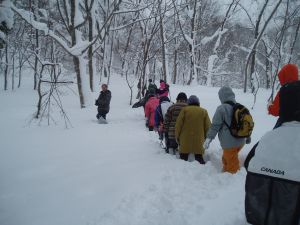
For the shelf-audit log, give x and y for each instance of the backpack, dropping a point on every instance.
(242, 122)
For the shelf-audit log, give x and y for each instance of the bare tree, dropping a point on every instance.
(257, 40)
(70, 14)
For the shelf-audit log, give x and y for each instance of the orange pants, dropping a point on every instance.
(230, 159)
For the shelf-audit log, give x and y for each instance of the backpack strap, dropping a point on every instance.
(232, 104)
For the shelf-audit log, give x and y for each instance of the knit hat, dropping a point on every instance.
(288, 73)
(289, 96)
(181, 97)
(193, 100)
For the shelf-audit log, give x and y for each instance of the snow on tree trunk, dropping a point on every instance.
(210, 68)
(6, 67)
(86, 91)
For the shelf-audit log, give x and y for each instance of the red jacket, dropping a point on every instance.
(150, 108)
(287, 74)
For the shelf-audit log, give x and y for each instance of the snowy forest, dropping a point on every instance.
(60, 165)
(242, 43)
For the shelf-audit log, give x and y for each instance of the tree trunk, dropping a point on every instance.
(20, 70)
(36, 59)
(79, 81)
(110, 57)
(6, 68)
(191, 45)
(294, 42)
(126, 49)
(175, 66)
(90, 53)
(13, 72)
(76, 60)
(163, 47)
(256, 43)
(39, 105)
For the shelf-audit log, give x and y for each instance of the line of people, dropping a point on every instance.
(186, 126)
(273, 180)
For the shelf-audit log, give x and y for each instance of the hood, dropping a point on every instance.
(226, 94)
(162, 85)
(288, 73)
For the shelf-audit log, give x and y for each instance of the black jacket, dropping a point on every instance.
(103, 101)
(272, 182)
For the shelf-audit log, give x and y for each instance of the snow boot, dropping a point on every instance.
(101, 120)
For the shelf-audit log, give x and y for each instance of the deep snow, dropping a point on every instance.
(116, 173)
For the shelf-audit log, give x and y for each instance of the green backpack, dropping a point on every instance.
(241, 122)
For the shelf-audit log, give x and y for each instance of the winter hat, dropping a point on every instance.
(288, 73)
(226, 94)
(181, 97)
(193, 100)
(104, 86)
(289, 96)
(150, 80)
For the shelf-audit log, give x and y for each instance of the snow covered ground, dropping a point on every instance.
(116, 173)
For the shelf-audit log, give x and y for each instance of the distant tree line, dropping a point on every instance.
(205, 42)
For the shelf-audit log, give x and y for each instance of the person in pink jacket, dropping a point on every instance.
(150, 108)
(163, 89)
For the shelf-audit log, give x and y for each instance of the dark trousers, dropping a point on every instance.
(198, 157)
(171, 143)
(101, 114)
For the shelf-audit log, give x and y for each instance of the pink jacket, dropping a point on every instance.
(150, 107)
(163, 91)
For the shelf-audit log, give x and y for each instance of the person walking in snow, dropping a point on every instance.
(150, 108)
(163, 89)
(103, 102)
(160, 112)
(152, 88)
(170, 121)
(288, 73)
(221, 119)
(191, 127)
(273, 180)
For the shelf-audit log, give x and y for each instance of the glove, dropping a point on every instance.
(248, 140)
(206, 143)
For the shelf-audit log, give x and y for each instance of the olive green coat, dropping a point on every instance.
(192, 125)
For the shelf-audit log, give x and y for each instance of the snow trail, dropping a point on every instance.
(115, 173)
